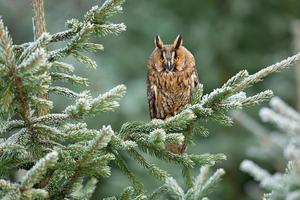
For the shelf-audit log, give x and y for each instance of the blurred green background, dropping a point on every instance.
(225, 37)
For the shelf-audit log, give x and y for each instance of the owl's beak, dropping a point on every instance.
(169, 66)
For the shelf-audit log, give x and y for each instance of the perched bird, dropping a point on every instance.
(171, 78)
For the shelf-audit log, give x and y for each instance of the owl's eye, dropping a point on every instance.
(161, 59)
(176, 59)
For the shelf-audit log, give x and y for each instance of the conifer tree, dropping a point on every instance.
(63, 158)
(283, 144)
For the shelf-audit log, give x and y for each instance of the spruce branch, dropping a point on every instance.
(35, 194)
(103, 103)
(174, 138)
(6, 186)
(109, 29)
(295, 28)
(213, 105)
(85, 154)
(258, 98)
(12, 195)
(285, 124)
(199, 189)
(281, 107)
(257, 172)
(261, 175)
(279, 185)
(24, 189)
(65, 92)
(236, 79)
(97, 16)
(7, 126)
(202, 177)
(174, 188)
(62, 67)
(293, 195)
(277, 67)
(79, 32)
(55, 117)
(32, 62)
(127, 194)
(39, 17)
(64, 35)
(99, 142)
(32, 59)
(124, 168)
(269, 145)
(78, 132)
(154, 170)
(41, 42)
(197, 94)
(223, 97)
(175, 124)
(209, 100)
(38, 170)
(84, 191)
(63, 52)
(211, 182)
(109, 8)
(6, 45)
(40, 28)
(188, 176)
(158, 192)
(57, 76)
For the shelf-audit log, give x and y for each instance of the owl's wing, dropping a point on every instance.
(190, 64)
(151, 99)
(195, 77)
(194, 82)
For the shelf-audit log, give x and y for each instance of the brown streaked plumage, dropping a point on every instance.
(172, 76)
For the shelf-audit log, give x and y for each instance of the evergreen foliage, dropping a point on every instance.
(280, 185)
(64, 159)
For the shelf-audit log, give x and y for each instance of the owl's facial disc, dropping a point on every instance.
(168, 58)
(169, 67)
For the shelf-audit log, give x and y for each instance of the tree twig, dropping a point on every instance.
(39, 18)
(277, 67)
(39, 29)
(17, 80)
(66, 188)
(296, 44)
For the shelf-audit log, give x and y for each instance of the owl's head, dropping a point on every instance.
(170, 57)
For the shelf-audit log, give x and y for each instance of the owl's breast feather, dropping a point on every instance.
(173, 81)
(171, 91)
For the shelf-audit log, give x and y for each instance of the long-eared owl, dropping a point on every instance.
(172, 76)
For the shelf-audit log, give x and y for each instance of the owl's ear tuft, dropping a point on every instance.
(178, 42)
(158, 42)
